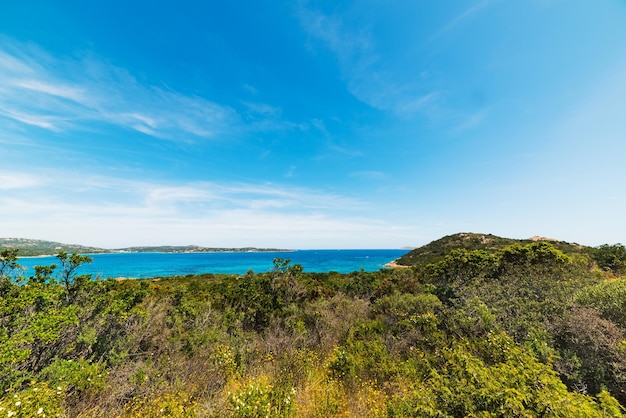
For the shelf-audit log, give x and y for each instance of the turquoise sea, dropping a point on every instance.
(143, 265)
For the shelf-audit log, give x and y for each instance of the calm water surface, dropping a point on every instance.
(143, 265)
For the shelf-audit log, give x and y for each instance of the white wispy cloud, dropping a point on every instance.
(472, 121)
(369, 175)
(13, 181)
(418, 103)
(331, 142)
(159, 194)
(250, 89)
(251, 195)
(113, 227)
(49, 122)
(69, 187)
(61, 93)
(39, 86)
(79, 209)
(463, 16)
(369, 76)
(262, 108)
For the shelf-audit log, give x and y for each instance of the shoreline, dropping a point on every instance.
(162, 252)
(394, 265)
(149, 265)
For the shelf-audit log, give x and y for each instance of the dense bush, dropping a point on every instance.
(522, 331)
(610, 257)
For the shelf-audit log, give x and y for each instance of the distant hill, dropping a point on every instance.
(436, 250)
(36, 247)
(194, 249)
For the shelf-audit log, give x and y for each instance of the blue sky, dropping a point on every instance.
(312, 124)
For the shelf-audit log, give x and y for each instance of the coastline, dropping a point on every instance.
(208, 251)
(394, 265)
(148, 265)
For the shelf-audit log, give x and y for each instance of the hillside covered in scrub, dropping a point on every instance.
(518, 329)
(37, 247)
(436, 250)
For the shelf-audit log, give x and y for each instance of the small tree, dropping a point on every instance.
(69, 264)
(8, 262)
(43, 274)
(9, 268)
(285, 281)
(610, 257)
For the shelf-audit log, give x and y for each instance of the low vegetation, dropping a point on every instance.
(524, 329)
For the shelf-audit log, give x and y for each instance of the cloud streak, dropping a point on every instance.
(14, 181)
(465, 15)
(57, 187)
(60, 94)
(370, 76)
(146, 212)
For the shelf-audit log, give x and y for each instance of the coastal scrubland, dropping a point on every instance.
(475, 326)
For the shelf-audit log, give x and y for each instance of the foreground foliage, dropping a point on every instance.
(522, 331)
